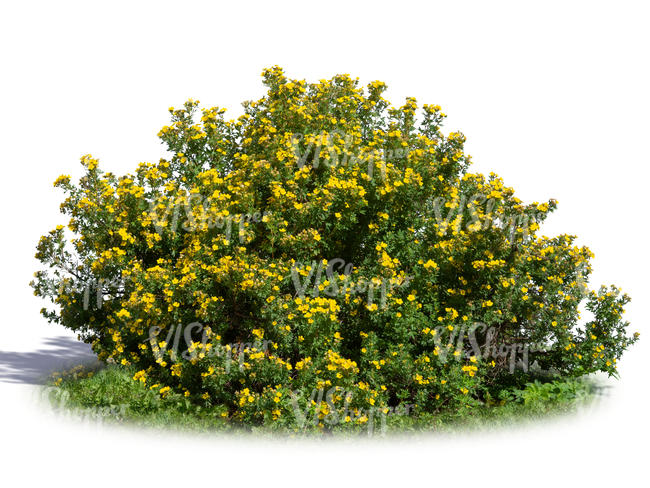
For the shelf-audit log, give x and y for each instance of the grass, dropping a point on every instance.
(109, 394)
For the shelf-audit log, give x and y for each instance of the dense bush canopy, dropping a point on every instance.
(324, 241)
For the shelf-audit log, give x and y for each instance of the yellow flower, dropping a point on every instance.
(430, 264)
(140, 376)
(61, 180)
(123, 314)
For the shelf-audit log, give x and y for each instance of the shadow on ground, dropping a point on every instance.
(56, 354)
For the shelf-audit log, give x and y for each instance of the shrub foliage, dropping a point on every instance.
(323, 241)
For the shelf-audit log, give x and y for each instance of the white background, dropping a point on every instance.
(552, 96)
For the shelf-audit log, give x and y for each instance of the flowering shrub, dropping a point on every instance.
(325, 255)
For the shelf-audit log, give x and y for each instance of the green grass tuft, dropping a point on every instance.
(109, 394)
